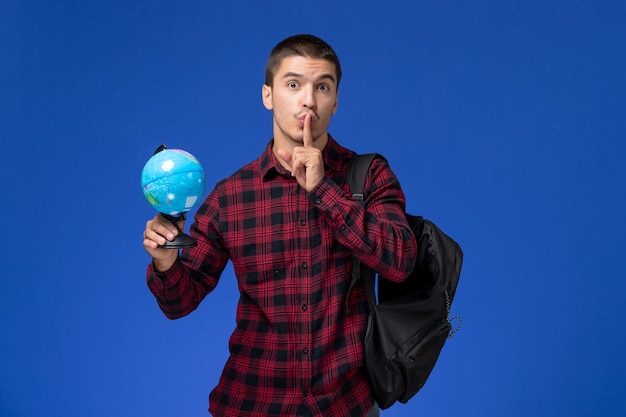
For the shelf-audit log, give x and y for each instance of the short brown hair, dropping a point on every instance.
(300, 45)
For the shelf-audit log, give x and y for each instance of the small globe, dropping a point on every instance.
(173, 181)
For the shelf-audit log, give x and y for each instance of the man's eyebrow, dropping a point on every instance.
(325, 76)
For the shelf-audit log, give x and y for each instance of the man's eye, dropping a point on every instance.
(323, 87)
(292, 84)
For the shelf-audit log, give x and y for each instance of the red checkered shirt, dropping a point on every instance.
(296, 349)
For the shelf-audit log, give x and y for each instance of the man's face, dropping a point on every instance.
(302, 86)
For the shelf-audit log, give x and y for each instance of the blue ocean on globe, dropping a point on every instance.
(173, 181)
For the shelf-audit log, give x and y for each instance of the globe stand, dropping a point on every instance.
(182, 240)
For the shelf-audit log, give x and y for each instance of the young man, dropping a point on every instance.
(289, 226)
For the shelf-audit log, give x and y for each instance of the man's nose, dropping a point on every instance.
(309, 97)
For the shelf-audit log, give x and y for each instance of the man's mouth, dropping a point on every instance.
(303, 116)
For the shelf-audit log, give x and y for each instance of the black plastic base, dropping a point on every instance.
(181, 241)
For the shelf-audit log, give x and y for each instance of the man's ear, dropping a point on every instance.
(336, 103)
(266, 92)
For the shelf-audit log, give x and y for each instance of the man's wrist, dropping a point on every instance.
(161, 266)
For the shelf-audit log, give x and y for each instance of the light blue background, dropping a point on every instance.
(504, 119)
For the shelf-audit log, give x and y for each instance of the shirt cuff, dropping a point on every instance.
(326, 194)
(165, 279)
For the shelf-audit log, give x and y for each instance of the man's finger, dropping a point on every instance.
(307, 137)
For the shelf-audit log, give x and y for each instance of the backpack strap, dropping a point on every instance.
(356, 174)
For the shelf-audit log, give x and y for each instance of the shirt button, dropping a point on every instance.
(302, 222)
(343, 227)
(304, 307)
(305, 351)
(304, 265)
(318, 201)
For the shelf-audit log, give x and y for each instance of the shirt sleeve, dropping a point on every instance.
(377, 232)
(197, 270)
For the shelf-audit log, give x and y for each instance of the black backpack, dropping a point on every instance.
(409, 326)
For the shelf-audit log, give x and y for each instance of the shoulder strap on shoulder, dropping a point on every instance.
(358, 167)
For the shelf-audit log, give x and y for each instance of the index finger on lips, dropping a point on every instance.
(307, 137)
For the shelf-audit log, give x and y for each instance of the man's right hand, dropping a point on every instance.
(158, 231)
